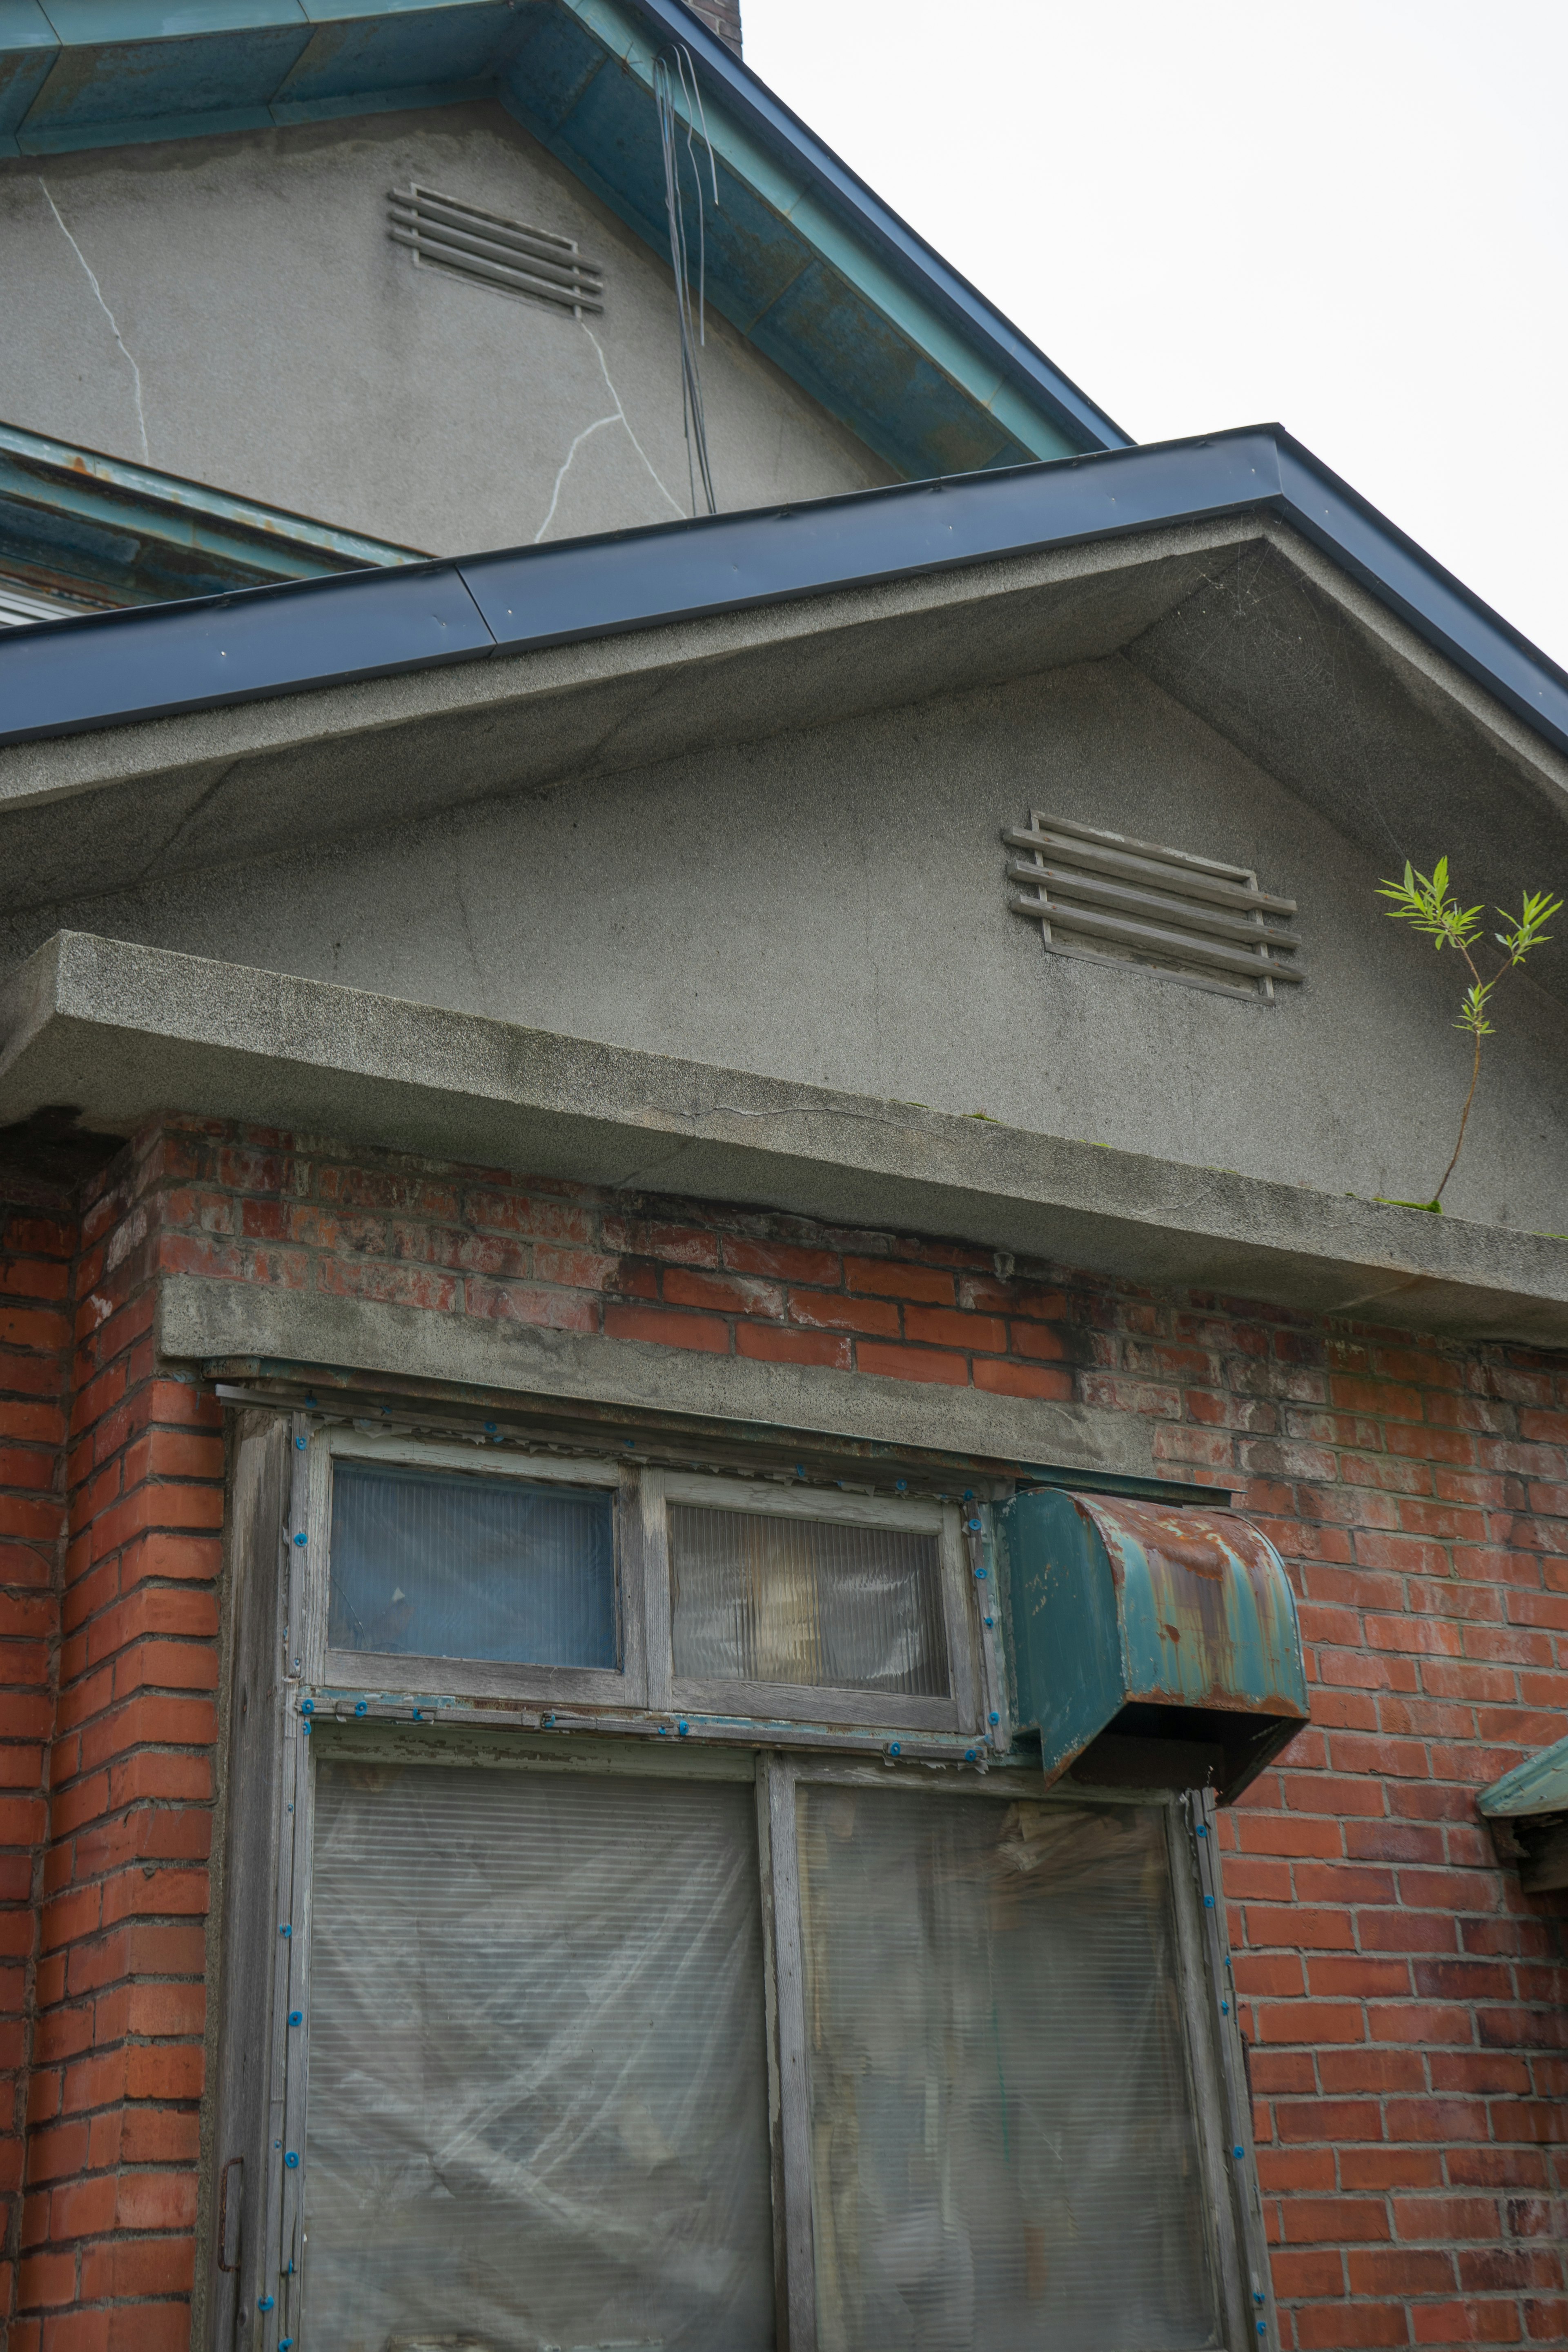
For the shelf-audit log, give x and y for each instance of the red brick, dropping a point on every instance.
(767, 1345)
(1312, 2021)
(45, 2278)
(996, 1377)
(1299, 1928)
(942, 1327)
(1446, 2220)
(157, 2200)
(664, 1328)
(827, 1311)
(723, 1293)
(1295, 2171)
(1465, 2322)
(896, 1279)
(1383, 2168)
(911, 1364)
(1314, 2121)
(1334, 2220)
(783, 1261)
(1399, 2269)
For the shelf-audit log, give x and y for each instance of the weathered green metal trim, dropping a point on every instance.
(1539, 1785)
(1150, 1623)
(129, 534)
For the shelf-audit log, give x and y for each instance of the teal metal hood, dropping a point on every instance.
(1527, 1813)
(1153, 1644)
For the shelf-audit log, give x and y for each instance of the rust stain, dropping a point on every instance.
(1212, 1588)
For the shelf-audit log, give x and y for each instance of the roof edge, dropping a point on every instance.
(747, 95)
(121, 668)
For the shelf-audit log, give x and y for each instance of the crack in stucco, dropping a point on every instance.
(587, 434)
(98, 297)
(616, 416)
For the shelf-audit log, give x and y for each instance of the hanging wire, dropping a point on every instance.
(674, 79)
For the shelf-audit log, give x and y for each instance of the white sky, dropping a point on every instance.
(1349, 215)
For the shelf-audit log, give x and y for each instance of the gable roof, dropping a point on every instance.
(118, 668)
(802, 257)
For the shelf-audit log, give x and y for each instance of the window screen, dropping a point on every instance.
(537, 2110)
(818, 1603)
(1002, 2143)
(452, 1567)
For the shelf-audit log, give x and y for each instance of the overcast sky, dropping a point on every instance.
(1349, 215)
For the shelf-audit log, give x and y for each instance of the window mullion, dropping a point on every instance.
(655, 1589)
(796, 2277)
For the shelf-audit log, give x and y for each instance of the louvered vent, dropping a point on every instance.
(1114, 900)
(444, 235)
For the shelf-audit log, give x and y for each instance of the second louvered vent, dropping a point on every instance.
(503, 254)
(1107, 897)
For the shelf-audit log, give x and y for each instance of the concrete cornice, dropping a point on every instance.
(123, 1033)
(243, 1327)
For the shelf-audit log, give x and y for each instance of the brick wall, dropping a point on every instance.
(1404, 2001)
(108, 2213)
(720, 16)
(37, 1247)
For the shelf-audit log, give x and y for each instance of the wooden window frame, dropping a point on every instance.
(624, 1684)
(262, 2107)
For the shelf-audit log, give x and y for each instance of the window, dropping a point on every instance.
(455, 1573)
(749, 2001)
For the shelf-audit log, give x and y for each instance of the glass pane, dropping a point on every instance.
(1004, 2151)
(816, 1601)
(538, 2101)
(426, 1566)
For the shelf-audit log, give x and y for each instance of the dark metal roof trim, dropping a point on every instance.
(114, 670)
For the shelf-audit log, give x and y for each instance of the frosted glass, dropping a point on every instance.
(1004, 2152)
(428, 1566)
(538, 2088)
(814, 1601)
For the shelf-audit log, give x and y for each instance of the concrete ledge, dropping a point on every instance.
(211, 1321)
(123, 1033)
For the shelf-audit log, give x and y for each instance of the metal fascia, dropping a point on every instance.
(70, 480)
(113, 669)
(59, 679)
(1436, 605)
(683, 571)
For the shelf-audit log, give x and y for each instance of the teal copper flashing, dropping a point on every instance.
(98, 529)
(1151, 1643)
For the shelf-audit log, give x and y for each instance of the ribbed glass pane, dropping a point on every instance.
(816, 1601)
(1004, 2151)
(538, 2099)
(427, 1566)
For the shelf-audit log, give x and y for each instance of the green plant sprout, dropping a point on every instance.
(1423, 899)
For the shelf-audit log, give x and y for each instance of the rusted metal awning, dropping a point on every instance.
(1527, 1813)
(1154, 1644)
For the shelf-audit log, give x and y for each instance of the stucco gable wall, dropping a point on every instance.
(286, 350)
(829, 908)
